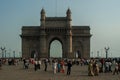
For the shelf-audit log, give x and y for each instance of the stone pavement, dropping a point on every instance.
(78, 73)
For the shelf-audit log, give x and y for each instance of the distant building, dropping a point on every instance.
(36, 40)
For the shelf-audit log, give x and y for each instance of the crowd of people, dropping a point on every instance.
(58, 65)
(95, 66)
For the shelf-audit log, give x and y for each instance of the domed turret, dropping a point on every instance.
(42, 11)
(42, 14)
(42, 17)
(68, 13)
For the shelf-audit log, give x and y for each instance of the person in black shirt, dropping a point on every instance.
(45, 62)
(69, 65)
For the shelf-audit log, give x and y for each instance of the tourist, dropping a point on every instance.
(110, 65)
(16, 62)
(54, 66)
(45, 62)
(26, 63)
(90, 68)
(58, 66)
(102, 65)
(35, 65)
(0, 64)
(106, 66)
(119, 67)
(62, 66)
(81, 62)
(96, 69)
(39, 63)
(116, 69)
(69, 65)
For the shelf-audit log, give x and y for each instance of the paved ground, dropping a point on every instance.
(78, 73)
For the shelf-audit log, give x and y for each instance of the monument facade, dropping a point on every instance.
(36, 40)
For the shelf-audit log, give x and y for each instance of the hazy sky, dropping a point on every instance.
(103, 17)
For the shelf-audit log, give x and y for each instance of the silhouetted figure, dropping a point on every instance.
(0, 64)
(69, 65)
(45, 62)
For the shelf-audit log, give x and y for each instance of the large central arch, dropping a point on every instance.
(60, 39)
(57, 47)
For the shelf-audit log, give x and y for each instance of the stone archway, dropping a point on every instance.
(56, 28)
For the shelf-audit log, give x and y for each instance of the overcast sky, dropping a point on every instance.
(103, 17)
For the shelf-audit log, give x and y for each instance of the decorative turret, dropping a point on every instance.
(42, 35)
(42, 14)
(42, 17)
(68, 13)
(68, 17)
(69, 34)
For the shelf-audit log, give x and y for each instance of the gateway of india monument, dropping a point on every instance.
(36, 40)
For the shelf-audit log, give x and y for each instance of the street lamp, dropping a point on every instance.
(91, 54)
(2, 48)
(5, 53)
(20, 54)
(9, 53)
(14, 54)
(106, 50)
(98, 54)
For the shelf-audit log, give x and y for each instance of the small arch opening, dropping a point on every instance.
(78, 54)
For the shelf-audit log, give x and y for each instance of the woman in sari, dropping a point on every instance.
(90, 69)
